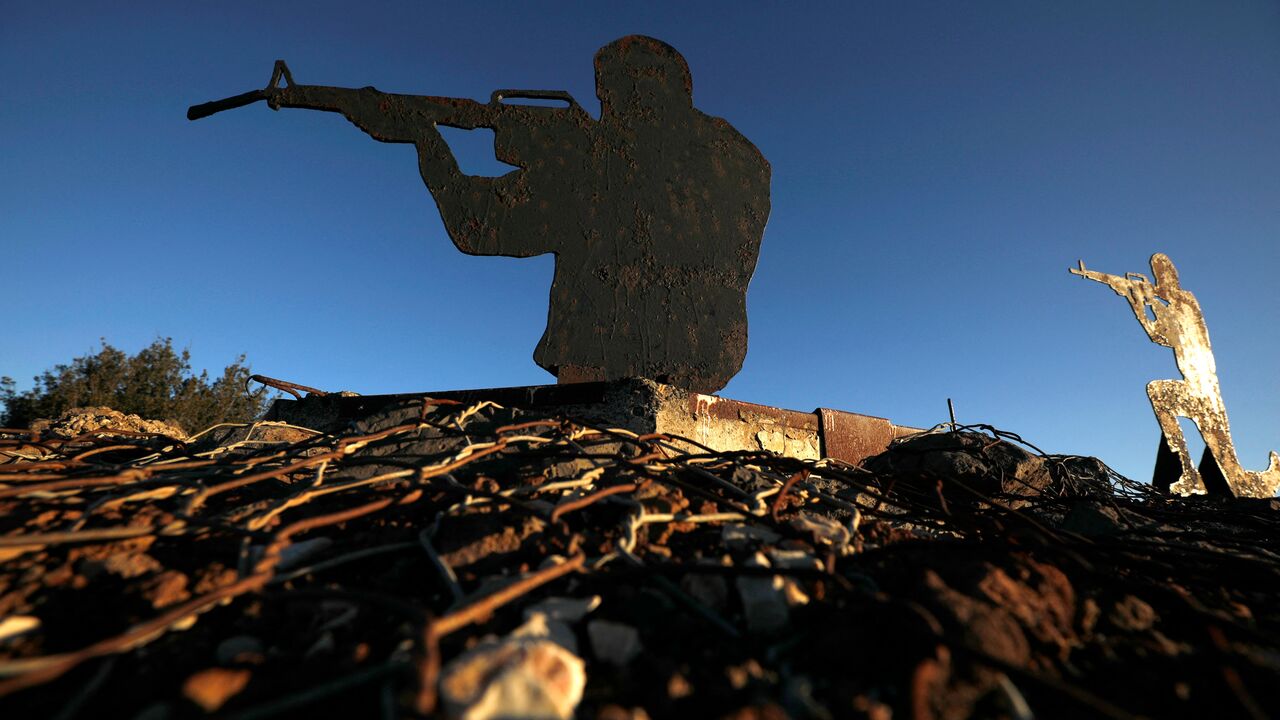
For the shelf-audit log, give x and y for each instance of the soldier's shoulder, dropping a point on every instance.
(732, 138)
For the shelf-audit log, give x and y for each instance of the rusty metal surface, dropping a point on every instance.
(655, 211)
(738, 410)
(852, 437)
(1171, 316)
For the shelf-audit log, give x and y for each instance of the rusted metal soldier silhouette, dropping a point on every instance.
(655, 211)
(1172, 318)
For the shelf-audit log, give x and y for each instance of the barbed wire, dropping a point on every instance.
(604, 500)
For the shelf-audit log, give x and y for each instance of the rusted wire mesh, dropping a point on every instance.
(347, 569)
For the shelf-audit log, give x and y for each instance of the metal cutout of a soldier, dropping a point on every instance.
(655, 211)
(1172, 318)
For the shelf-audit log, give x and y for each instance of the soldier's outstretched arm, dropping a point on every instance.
(475, 214)
(1136, 289)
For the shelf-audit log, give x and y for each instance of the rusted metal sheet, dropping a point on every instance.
(725, 424)
(655, 211)
(852, 437)
(1171, 316)
(738, 410)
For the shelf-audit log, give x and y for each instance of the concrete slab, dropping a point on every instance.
(643, 406)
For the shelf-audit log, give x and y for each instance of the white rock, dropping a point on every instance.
(764, 599)
(614, 642)
(794, 560)
(793, 593)
(824, 529)
(17, 625)
(516, 677)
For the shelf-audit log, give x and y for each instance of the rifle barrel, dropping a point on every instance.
(195, 112)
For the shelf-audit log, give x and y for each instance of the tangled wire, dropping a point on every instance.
(442, 516)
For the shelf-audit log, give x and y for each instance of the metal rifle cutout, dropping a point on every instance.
(655, 211)
(1172, 318)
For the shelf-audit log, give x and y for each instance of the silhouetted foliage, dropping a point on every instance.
(157, 383)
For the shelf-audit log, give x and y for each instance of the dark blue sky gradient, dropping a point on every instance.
(936, 169)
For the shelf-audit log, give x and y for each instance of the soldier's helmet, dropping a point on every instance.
(1162, 267)
(637, 73)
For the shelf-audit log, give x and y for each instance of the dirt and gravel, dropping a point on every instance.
(447, 560)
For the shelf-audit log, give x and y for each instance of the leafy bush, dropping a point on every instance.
(157, 383)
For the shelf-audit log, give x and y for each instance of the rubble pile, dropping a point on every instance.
(473, 561)
(82, 420)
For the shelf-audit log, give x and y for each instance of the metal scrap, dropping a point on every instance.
(853, 591)
(1171, 316)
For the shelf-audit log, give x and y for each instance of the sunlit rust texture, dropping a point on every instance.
(1172, 318)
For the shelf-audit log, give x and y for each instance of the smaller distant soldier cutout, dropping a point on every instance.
(1172, 318)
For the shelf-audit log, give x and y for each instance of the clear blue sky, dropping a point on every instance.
(936, 169)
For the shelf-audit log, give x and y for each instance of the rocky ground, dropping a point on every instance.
(474, 561)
